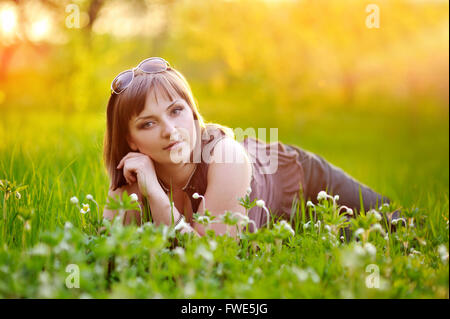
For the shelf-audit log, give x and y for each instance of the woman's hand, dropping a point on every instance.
(138, 167)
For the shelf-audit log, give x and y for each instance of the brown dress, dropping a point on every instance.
(298, 171)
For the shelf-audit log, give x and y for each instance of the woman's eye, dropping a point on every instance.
(177, 110)
(147, 124)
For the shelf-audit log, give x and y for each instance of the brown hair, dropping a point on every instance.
(121, 108)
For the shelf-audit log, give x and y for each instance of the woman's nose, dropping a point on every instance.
(168, 129)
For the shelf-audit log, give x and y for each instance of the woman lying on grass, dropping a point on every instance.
(158, 146)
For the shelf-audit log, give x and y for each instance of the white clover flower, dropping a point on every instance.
(180, 252)
(68, 225)
(195, 196)
(89, 197)
(322, 195)
(359, 231)
(349, 211)
(395, 221)
(204, 219)
(377, 227)
(309, 204)
(85, 208)
(375, 213)
(202, 251)
(134, 197)
(74, 200)
(213, 245)
(359, 250)
(443, 252)
(182, 225)
(260, 203)
(370, 249)
(284, 225)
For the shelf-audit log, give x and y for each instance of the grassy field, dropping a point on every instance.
(371, 99)
(399, 154)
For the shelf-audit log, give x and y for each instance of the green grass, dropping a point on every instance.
(398, 153)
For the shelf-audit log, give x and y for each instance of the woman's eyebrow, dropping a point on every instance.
(148, 116)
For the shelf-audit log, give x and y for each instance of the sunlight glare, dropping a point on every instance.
(8, 20)
(39, 29)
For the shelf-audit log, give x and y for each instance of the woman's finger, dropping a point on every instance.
(129, 155)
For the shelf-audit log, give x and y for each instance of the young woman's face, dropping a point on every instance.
(160, 124)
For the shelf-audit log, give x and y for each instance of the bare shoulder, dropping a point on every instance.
(228, 150)
(230, 160)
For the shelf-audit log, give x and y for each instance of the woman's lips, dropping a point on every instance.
(170, 146)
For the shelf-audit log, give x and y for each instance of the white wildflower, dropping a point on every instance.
(195, 196)
(349, 211)
(89, 197)
(359, 231)
(342, 238)
(203, 219)
(370, 249)
(336, 198)
(309, 204)
(375, 213)
(74, 200)
(182, 225)
(213, 245)
(317, 224)
(395, 221)
(322, 195)
(284, 224)
(134, 197)
(359, 250)
(260, 203)
(205, 253)
(85, 208)
(68, 225)
(306, 226)
(442, 249)
(249, 190)
(179, 251)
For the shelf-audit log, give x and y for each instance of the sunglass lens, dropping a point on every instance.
(153, 65)
(122, 81)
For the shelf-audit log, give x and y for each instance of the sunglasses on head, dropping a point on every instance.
(150, 65)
